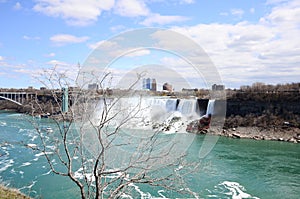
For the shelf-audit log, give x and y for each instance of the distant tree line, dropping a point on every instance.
(262, 87)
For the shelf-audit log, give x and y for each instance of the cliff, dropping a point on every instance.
(263, 110)
(267, 116)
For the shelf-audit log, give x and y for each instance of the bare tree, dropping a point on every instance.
(94, 145)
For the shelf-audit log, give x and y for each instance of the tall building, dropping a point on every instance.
(153, 85)
(149, 84)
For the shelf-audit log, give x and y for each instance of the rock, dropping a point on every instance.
(236, 135)
(224, 132)
(293, 140)
(280, 139)
(297, 137)
(256, 137)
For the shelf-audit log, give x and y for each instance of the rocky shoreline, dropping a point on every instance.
(289, 134)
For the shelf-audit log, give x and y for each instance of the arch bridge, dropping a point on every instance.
(17, 97)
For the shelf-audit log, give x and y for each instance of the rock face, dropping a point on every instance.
(259, 116)
(257, 103)
(199, 126)
(264, 110)
(245, 107)
(288, 135)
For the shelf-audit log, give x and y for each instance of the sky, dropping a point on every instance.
(247, 41)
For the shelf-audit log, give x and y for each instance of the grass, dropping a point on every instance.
(9, 193)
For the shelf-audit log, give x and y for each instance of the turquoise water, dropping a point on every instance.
(233, 169)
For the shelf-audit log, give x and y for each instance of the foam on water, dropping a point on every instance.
(80, 175)
(29, 187)
(142, 194)
(25, 164)
(47, 173)
(3, 123)
(230, 189)
(42, 153)
(5, 164)
(21, 173)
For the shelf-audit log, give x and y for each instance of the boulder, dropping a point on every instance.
(236, 135)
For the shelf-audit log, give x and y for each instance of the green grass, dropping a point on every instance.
(9, 193)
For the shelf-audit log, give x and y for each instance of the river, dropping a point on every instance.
(235, 168)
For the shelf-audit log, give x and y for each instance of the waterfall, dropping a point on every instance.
(171, 105)
(188, 107)
(159, 111)
(210, 107)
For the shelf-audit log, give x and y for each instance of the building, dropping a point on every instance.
(189, 89)
(216, 87)
(93, 86)
(167, 87)
(153, 85)
(149, 84)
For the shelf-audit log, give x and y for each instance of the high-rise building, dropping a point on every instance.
(153, 85)
(149, 84)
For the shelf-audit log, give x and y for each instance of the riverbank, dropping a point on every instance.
(289, 134)
(9, 193)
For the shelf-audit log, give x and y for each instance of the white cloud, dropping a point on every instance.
(63, 39)
(117, 28)
(237, 12)
(224, 14)
(18, 6)
(1, 58)
(24, 71)
(83, 13)
(287, 15)
(162, 19)
(31, 38)
(74, 12)
(272, 2)
(132, 8)
(138, 52)
(252, 10)
(187, 1)
(247, 52)
(56, 62)
(104, 45)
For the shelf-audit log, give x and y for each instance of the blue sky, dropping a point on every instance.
(248, 41)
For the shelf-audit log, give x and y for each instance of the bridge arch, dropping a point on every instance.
(11, 100)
